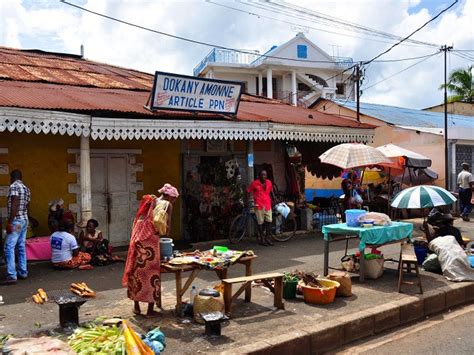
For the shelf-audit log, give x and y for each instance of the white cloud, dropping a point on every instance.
(55, 26)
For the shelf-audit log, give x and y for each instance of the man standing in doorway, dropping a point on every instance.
(261, 189)
(17, 204)
(466, 185)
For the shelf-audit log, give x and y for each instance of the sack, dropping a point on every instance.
(373, 268)
(160, 217)
(344, 279)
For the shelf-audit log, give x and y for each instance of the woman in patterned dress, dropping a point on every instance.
(142, 269)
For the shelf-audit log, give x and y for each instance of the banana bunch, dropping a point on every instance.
(81, 289)
(41, 297)
(99, 340)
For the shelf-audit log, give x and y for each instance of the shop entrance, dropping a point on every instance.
(111, 196)
(212, 193)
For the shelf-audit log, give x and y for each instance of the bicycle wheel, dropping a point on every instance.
(287, 229)
(238, 228)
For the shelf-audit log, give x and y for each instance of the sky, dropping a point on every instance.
(53, 26)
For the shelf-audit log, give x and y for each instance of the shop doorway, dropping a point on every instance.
(111, 196)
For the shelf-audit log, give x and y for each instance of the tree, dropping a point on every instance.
(461, 85)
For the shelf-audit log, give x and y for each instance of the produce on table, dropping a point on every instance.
(40, 297)
(81, 289)
(98, 339)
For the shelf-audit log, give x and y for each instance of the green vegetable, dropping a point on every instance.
(289, 277)
(97, 339)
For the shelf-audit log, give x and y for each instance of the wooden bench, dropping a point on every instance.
(407, 262)
(277, 289)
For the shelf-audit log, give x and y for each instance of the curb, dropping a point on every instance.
(320, 337)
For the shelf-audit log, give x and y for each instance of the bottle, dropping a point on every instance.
(192, 294)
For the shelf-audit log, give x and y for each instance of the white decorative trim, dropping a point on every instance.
(119, 128)
(4, 169)
(4, 191)
(3, 150)
(106, 151)
(43, 121)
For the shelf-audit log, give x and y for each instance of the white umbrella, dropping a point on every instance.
(353, 155)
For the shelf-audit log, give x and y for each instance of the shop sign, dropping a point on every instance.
(188, 93)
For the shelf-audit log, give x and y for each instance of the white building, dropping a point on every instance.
(298, 72)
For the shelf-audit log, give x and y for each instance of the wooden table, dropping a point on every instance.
(340, 232)
(195, 269)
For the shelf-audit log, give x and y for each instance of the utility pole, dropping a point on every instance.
(358, 90)
(446, 49)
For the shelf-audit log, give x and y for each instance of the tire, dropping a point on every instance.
(237, 229)
(288, 229)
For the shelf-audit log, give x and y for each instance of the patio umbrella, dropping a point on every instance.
(423, 197)
(410, 158)
(353, 155)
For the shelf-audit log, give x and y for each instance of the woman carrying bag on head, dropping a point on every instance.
(142, 269)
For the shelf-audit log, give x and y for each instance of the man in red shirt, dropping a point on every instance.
(261, 189)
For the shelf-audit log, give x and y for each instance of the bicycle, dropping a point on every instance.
(245, 224)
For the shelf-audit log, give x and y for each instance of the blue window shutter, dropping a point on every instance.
(302, 51)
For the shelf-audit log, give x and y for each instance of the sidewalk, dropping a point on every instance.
(375, 306)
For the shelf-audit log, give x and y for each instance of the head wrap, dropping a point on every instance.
(169, 190)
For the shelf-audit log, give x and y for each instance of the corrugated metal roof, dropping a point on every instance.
(75, 98)
(400, 116)
(61, 82)
(40, 66)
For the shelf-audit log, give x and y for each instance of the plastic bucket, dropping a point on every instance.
(324, 295)
(166, 248)
(289, 289)
(421, 252)
(352, 217)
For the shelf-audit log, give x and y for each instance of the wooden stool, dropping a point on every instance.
(247, 283)
(407, 262)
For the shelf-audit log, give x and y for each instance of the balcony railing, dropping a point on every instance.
(231, 57)
(226, 56)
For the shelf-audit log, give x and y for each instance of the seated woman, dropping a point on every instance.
(91, 238)
(64, 248)
(444, 227)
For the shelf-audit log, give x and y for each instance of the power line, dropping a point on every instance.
(301, 12)
(411, 34)
(399, 72)
(258, 15)
(459, 55)
(207, 44)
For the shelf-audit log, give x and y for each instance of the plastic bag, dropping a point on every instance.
(283, 209)
(134, 345)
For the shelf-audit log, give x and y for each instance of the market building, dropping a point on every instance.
(79, 130)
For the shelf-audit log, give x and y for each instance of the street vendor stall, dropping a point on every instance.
(373, 237)
(197, 261)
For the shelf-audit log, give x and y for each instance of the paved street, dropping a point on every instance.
(449, 333)
(251, 322)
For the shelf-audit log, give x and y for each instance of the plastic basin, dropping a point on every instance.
(352, 217)
(324, 295)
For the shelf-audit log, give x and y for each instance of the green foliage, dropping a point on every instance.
(460, 85)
